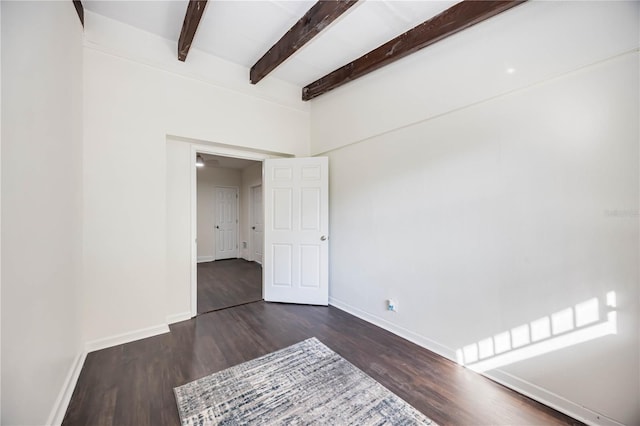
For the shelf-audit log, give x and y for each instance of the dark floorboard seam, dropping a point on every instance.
(229, 307)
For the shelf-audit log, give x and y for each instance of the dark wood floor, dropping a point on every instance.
(226, 283)
(132, 384)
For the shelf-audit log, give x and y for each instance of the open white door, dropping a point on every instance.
(296, 228)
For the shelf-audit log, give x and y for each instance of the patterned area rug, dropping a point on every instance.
(304, 384)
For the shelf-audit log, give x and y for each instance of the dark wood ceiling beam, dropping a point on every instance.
(195, 9)
(455, 19)
(320, 16)
(80, 10)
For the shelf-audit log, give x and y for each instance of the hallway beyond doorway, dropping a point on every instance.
(226, 283)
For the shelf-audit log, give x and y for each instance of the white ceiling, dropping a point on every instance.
(241, 31)
(226, 162)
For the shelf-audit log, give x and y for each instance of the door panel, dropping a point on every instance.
(282, 209)
(310, 209)
(310, 266)
(282, 263)
(297, 225)
(226, 208)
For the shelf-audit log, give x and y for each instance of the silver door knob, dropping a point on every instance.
(323, 238)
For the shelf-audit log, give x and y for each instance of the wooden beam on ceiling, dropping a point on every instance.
(457, 18)
(80, 10)
(195, 9)
(320, 16)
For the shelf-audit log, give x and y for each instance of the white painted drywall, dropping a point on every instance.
(473, 65)
(0, 211)
(130, 107)
(178, 227)
(506, 201)
(41, 205)
(116, 38)
(251, 176)
(207, 179)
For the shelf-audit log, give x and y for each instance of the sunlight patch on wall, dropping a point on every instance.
(582, 322)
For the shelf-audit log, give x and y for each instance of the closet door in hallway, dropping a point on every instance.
(226, 232)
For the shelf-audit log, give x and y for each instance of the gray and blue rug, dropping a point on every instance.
(304, 384)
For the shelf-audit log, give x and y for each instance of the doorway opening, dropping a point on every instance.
(228, 221)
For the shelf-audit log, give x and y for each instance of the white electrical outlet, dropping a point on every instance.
(392, 305)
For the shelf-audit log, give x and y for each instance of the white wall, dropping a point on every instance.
(208, 178)
(437, 79)
(251, 176)
(41, 205)
(130, 108)
(178, 229)
(483, 200)
(0, 210)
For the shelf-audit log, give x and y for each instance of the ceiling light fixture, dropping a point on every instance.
(199, 161)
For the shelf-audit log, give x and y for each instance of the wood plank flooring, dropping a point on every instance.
(226, 283)
(132, 384)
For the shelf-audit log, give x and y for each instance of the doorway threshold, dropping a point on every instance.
(229, 307)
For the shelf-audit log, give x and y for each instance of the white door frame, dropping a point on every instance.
(213, 150)
(252, 220)
(215, 219)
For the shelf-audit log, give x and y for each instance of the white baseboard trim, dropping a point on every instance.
(64, 397)
(130, 336)
(534, 392)
(206, 259)
(550, 399)
(397, 330)
(182, 316)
